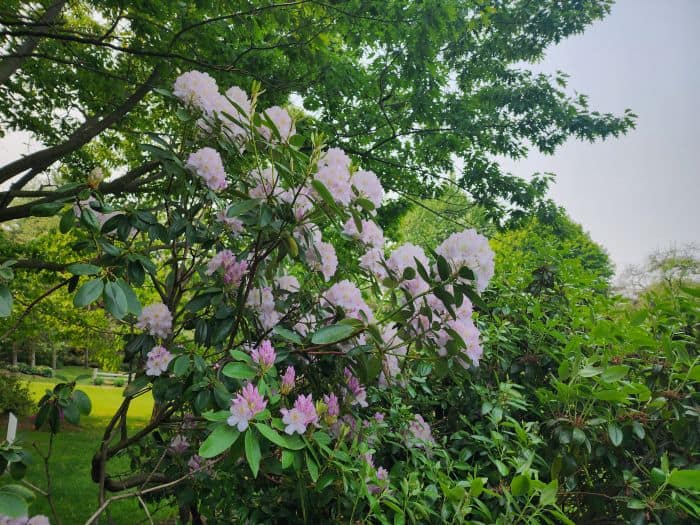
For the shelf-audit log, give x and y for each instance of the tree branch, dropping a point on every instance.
(39, 161)
(127, 182)
(10, 65)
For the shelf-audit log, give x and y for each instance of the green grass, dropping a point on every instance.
(75, 495)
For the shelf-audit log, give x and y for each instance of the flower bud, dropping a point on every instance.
(95, 177)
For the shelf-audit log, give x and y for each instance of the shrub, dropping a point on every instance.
(14, 395)
(98, 381)
(119, 382)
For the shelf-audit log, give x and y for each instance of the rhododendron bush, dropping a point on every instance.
(283, 380)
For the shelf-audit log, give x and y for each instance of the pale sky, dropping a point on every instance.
(640, 192)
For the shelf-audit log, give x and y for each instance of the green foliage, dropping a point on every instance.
(14, 396)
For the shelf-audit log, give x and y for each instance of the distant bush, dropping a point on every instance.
(98, 381)
(14, 396)
(24, 368)
(119, 383)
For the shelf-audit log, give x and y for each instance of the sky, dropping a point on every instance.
(634, 194)
(641, 192)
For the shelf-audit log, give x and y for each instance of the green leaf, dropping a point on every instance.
(324, 193)
(578, 436)
(5, 301)
(181, 366)
(611, 395)
(11, 504)
(46, 209)
(252, 452)
(685, 479)
(287, 459)
(289, 442)
(548, 496)
(241, 207)
(82, 401)
(444, 269)
(286, 333)
(615, 434)
(71, 413)
(520, 485)
(614, 373)
(88, 293)
(332, 334)
(238, 371)
(312, 468)
(132, 302)
(89, 219)
(115, 300)
(220, 440)
(221, 415)
(83, 269)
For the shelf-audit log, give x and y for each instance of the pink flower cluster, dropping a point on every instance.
(355, 389)
(157, 319)
(420, 431)
(233, 269)
(322, 257)
(179, 444)
(303, 414)
(157, 361)
(264, 355)
(247, 404)
(347, 296)
(234, 224)
(288, 380)
(206, 163)
(332, 408)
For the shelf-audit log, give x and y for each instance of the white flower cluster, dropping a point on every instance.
(157, 319)
(471, 249)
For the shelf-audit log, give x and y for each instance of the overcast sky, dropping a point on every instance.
(640, 192)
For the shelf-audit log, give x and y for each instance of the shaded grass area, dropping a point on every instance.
(75, 494)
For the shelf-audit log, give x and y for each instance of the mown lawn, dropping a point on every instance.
(75, 494)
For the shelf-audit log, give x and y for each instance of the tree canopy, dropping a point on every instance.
(413, 89)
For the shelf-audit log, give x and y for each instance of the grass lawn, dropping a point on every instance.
(74, 492)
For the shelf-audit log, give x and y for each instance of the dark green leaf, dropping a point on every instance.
(88, 293)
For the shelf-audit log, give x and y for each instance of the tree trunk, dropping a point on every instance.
(87, 358)
(54, 358)
(32, 357)
(14, 354)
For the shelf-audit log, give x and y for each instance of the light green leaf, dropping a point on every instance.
(252, 452)
(332, 334)
(220, 440)
(238, 371)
